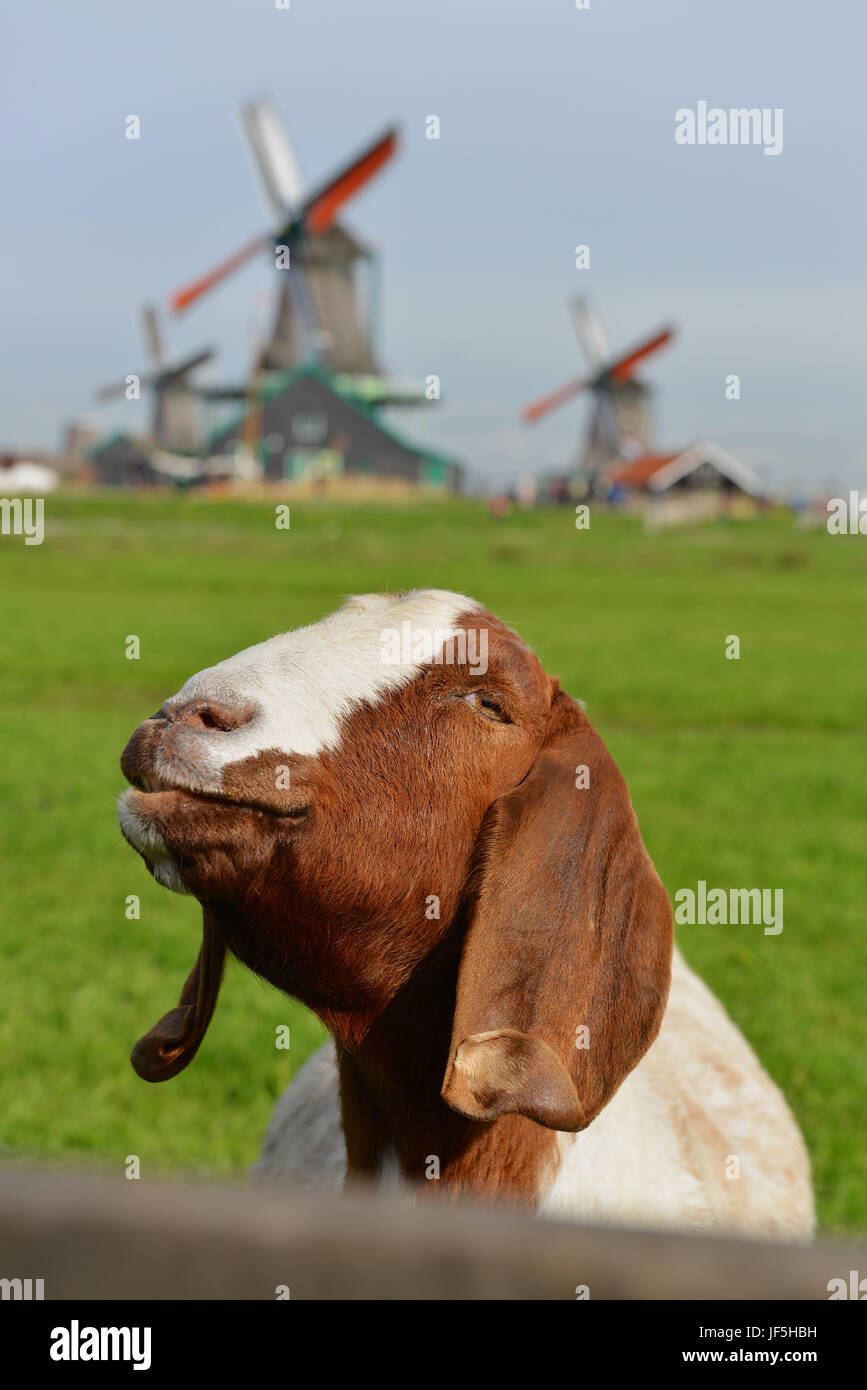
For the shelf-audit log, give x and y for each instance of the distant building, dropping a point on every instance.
(120, 461)
(702, 467)
(79, 437)
(312, 425)
(26, 477)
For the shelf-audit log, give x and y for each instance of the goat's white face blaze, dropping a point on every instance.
(296, 690)
(307, 682)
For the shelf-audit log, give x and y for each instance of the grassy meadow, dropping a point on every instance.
(743, 773)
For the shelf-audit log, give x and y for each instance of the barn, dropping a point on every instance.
(700, 468)
(120, 461)
(313, 425)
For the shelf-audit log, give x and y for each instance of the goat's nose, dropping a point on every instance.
(207, 714)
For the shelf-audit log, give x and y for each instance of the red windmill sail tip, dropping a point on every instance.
(189, 293)
(536, 409)
(321, 210)
(316, 216)
(622, 369)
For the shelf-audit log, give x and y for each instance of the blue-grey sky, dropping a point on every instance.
(557, 128)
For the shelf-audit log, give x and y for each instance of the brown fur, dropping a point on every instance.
(456, 1032)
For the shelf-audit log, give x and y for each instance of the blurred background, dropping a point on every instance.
(376, 387)
(556, 130)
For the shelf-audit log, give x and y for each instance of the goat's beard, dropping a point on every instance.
(197, 845)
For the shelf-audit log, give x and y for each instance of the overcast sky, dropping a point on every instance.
(557, 128)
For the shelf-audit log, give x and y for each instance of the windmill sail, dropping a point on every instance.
(589, 332)
(273, 157)
(320, 312)
(153, 338)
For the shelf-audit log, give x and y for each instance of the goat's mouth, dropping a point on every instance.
(156, 817)
(155, 795)
(181, 833)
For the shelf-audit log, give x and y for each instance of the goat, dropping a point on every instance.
(395, 816)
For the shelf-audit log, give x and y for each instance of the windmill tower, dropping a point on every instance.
(319, 315)
(620, 423)
(175, 420)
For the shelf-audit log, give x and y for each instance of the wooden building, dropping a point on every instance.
(702, 467)
(311, 425)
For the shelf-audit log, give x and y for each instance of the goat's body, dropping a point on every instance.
(698, 1137)
(304, 1141)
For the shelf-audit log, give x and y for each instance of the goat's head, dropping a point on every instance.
(343, 798)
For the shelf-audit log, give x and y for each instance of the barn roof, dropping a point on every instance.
(638, 472)
(656, 472)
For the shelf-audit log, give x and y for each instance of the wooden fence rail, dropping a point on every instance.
(101, 1238)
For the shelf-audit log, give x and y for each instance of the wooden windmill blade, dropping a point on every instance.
(176, 374)
(589, 332)
(272, 157)
(315, 216)
(188, 294)
(152, 337)
(544, 404)
(112, 390)
(321, 207)
(623, 368)
(154, 351)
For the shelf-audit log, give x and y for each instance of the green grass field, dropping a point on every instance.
(743, 773)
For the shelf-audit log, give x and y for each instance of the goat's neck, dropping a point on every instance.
(394, 1115)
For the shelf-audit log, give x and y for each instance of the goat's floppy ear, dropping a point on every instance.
(173, 1042)
(567, 959)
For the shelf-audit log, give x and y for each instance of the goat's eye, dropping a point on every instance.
(487, 705)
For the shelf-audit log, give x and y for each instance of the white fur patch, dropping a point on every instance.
(305, 683)
(661, 1152)
(144, 836)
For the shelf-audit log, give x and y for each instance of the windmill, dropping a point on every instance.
(620, 426)
(175, 418)
(318, 312)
